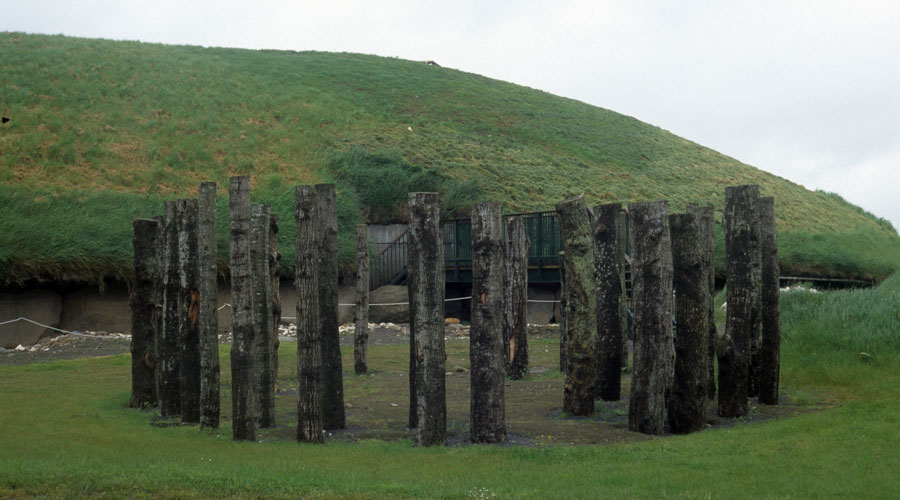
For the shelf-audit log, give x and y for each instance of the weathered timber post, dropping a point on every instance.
(426, 309)
(309, 342)
(651, 272)
(708, 243)
(487, 414)
(581, 307)
(264, 350)
(563, 353)
(145, 313)
(515, 295)
(608, 296)
(160, 319)
(275, 278)
(734, 349)
(208, 319)
(189, 313)
(687, 412)
(361, 334)
(770, 349)
(756, 314)
(168, 346)
(243, 362)
(413, 415)
(332, 370)
(621, 237)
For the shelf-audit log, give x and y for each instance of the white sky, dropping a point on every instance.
(807, 90)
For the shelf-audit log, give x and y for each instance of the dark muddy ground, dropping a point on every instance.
(377, 403)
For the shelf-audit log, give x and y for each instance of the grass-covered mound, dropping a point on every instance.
(102, 131)
(66, 432)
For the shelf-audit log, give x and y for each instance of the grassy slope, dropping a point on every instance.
(150, 121)
(65, 433)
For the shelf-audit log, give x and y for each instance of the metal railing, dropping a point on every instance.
(390, 259)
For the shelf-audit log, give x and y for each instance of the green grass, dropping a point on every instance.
(65, 433)
(149, 122)
(844, 339)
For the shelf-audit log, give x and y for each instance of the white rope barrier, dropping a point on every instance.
(371, 305)
(99, 336)
(406, 303)
(93, 336)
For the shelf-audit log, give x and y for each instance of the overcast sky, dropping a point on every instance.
(807, 90)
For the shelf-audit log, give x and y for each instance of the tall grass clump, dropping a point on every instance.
(843, 338)
(382, 181)
(76, 236)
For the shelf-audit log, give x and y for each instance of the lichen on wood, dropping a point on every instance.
(581, 306)
(332, 370)
(515, 290)
(426, 285)
(309, 354)
(651, 268)
(487, 399)
(243, 361)
(608, 295)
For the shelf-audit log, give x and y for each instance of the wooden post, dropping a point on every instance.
(145, 313)
(734, 349)
(426, 284)
(621, 237)
(309, 352)
(515, 286)
(687, 412)
(487, 415)
(208, 320)
(264, 350)
(563, 353)
(169, 347)
(756, 311)
(708, 243)
(413, 415)
(275, 279)
(770, 349)
(361, 334)
(651, 271)
(189, 310)
(243, 362)
(608, 296)
(332, 370)
(581, 307)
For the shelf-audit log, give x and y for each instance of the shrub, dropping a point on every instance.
(382, 181)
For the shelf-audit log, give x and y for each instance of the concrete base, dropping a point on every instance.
(543, 312)
(43, 306)
(86, 309)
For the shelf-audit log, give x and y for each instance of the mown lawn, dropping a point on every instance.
(65, 433)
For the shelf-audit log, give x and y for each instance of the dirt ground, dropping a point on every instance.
(94, 344)
(377, 403)
(68, 347)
